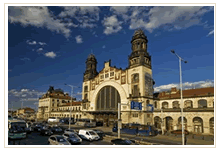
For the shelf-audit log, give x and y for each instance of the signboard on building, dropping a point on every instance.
(136, 105)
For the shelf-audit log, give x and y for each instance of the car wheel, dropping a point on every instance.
(90, 140)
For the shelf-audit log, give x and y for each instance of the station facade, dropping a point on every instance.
(102, 91)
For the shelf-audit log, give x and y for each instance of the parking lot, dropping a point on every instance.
(35, 138)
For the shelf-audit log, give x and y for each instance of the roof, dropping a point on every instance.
(209, 91)
(73, 104)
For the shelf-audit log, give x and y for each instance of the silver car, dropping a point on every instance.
(69, 131)
(72, 138)
(57, 140)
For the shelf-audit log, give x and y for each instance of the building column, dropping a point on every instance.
(206, 126)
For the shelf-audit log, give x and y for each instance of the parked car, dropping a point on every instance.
(46, 132)
(57, 140)
(70, 131)
(89, 135)
(100, 133)
(73, 138)
(56, 129)
(122, 142)
(38, 128)
(53, 119)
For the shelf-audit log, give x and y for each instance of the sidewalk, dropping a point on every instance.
(164, 139)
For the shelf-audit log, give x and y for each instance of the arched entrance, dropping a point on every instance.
(157, 122)
(169, 123)
(107, 101)
(179, 125)
(198, 125)
(211, 125)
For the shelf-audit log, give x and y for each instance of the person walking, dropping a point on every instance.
(136, 131)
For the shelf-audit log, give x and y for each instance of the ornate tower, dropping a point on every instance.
(90, 72)
(139, 55)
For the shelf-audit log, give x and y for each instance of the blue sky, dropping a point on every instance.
(49, 45)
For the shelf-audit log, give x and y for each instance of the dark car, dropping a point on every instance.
(72, 138)
(56, 129)
(38, 128)
(100, 133)
(46, 132)
(122, 142)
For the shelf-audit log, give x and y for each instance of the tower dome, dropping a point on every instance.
(139, 34)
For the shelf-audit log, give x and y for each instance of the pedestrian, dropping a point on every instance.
(185, 140)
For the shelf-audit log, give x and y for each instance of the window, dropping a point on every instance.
(165, 105)
(176, 104)
(135, 78)
(107, 98)
(111, 73)
(102, 76)
(135, 90)
(135, 115)
(188, 104)
(202, 103)
(85, 96)
(85, 88)
(155, 104)
(106, 75)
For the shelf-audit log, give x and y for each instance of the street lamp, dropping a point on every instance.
(119, 119)
(71, 100)
(181, 93)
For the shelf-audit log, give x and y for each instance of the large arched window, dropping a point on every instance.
(198, 125)
(107, 98)
(202, 103)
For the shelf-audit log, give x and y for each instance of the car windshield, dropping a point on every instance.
(128, 141)
(73, 136)
(92, 133)
(60, 139)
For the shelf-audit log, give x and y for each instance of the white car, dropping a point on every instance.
(58, 140)
(89, 135)
(53, 119)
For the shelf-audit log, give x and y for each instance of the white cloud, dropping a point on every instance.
(174, 17)
(186, 85)
(112, 25)
(86, 16)
(211, 33)
(79, 39)
(103, 46)
(38, 16)
(40, 49)
(42, 43)
(50, 54)
(31, 43)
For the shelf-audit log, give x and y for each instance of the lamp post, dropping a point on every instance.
(119, 119)
(181, 93)
(71, 100)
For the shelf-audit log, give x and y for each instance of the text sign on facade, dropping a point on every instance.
(136, 105)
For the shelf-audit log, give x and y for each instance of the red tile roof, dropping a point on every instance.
(209, 91)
